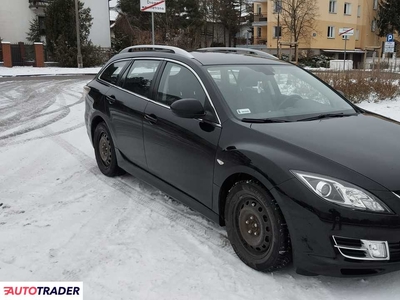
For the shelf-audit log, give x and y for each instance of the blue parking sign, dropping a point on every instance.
(390, 37)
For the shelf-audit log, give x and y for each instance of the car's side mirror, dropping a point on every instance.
(188, 108)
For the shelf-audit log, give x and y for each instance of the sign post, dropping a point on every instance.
(345, 32)
(153, 6)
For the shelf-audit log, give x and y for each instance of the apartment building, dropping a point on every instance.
(15, 17)
(332, 15)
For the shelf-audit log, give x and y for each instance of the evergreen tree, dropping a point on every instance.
(388, 17)
(229, 16)
(61, 33)
(33, 35)
(60, 22)
(181, 25)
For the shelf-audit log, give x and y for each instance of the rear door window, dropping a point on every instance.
(140, 77)
(113, 71)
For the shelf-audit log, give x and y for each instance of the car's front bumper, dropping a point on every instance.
(313, 222)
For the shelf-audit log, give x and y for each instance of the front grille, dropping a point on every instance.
(353, 253)
(348, 242)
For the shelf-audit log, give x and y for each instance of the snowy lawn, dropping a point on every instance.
(30, 71)
(60, 219)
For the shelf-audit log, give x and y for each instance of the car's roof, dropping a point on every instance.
(218, 58)
(206, 56)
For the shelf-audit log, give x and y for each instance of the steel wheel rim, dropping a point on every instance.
(105, 149)
(254, 226)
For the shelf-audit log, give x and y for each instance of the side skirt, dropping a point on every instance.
(165, 187)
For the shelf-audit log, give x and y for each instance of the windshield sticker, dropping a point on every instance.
(243, 111)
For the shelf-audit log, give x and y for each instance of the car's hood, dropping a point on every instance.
(368, 143)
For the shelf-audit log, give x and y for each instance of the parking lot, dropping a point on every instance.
(62, 220)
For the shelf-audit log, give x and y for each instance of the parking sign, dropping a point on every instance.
(390, 37)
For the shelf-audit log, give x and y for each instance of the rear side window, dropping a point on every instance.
(113, 71)
(178, 82)
(140, 77)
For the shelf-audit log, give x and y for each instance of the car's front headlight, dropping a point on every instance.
(341, 192)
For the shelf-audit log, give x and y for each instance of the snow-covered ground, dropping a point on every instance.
(30, 71)
(61, 220)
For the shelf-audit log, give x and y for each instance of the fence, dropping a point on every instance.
(22, 55)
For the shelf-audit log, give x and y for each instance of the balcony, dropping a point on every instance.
(35, 4)
(260, 19)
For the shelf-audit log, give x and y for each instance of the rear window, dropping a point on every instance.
(113, 71)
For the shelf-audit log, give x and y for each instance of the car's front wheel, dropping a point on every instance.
(256, 227)
(105, 151)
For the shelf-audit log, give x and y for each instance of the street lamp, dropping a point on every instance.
(78, 35)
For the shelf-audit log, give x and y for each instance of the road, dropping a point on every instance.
(62, 220)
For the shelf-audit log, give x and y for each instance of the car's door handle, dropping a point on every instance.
(150, 118)
(111, 99)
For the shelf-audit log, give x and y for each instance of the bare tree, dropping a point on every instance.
(298, 18)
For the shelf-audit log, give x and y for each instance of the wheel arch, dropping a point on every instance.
(95, 121)
(230, 181)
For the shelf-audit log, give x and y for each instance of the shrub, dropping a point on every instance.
(317, 61)
(66, 56)
(363, 85)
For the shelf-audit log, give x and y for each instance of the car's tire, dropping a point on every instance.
(105, 151)
(256, 227)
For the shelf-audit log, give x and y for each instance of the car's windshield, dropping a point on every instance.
(276, 91)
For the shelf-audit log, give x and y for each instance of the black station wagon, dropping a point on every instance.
(292, 169)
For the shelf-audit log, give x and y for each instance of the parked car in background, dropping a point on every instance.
(290, 167)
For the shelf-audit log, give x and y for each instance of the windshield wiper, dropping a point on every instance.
(265, 120)
(327, 116)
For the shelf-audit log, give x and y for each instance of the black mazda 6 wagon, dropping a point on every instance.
(292, 169)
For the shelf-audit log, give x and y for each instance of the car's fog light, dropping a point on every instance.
(377, 249)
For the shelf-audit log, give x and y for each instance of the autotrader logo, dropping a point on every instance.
(41, 290)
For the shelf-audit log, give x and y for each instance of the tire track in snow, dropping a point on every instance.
(193, 222)
(25, 110)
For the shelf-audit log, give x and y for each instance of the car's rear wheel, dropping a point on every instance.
(105, 151)
(256, 227)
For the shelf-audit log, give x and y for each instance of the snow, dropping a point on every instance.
(62, 220)
(113, 3)
(30, 71)
(113, 15)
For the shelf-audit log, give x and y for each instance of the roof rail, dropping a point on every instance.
(161, 48)
(238, 50)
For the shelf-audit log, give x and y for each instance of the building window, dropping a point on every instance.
(332, 6)
(357, 34)
(373, 26)
(259, 32)
(42, 26)
(277, 31)
(359, 11)
(259, 9)
(375, 4)
(331, 32)
(277, 6)
(347, 8)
